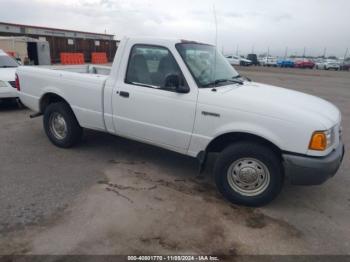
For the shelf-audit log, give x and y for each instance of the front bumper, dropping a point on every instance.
(305, 170)
(333, 67)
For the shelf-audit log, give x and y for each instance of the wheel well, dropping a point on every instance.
(222, 141)
(48, 99)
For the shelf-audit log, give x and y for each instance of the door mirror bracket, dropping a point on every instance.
(177, 83)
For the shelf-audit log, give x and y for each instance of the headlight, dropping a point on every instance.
(321, 140)
(3, 84)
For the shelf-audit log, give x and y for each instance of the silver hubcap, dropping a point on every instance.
(248, 176)
(58, 126)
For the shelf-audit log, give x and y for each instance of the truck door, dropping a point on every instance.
(146, 107)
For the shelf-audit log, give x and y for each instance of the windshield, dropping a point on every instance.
(6, 61)
(200, 60)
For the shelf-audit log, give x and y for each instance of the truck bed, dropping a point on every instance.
(81, 86)
(83, 69)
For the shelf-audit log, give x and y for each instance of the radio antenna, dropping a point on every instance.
(216, 26)
(216, 43)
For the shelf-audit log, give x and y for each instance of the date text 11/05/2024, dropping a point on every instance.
(173, 258)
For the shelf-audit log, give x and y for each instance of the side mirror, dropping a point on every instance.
(176, 83)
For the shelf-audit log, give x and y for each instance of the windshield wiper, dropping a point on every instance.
(218, 81)
(242, 77)
(5, 66)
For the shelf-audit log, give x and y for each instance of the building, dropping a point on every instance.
(26, 49)
(62, 40)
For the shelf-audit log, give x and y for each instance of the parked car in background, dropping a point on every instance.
(254, 59)
(245, 62)
(345, 66)
(328, 64)
(8, 67)
(304, 63)
(15, 56)
(268, 61)
(237, 60)
(260, 133)
(233, 60)
(285, 63)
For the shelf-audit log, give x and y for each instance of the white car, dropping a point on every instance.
(237, 60)
(184, 96)
(268, 61)
(328, 64)
(8, 67)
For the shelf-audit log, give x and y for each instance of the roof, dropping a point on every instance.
(165, 41)
(52, 28)
(21, 38)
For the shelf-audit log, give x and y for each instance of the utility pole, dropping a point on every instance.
(237, 47)
(346, 53)
(304, 52)
(286, 53)
(324, 52)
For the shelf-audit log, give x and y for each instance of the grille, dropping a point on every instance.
(13, 84)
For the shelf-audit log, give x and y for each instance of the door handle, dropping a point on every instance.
(124, 94)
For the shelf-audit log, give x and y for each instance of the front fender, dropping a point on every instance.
(250, 128)
(284, 135)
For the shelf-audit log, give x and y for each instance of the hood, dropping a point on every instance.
(276, 102)
(8, 74)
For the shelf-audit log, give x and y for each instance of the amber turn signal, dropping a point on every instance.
(318, 141)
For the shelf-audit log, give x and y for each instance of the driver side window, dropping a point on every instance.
(152, 66)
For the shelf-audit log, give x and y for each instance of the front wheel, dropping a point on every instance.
(61, 126)
(249, 174)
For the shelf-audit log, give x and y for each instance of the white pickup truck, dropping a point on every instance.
(184, 96)
(8, 68)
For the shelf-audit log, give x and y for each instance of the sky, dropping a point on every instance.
(243, 26)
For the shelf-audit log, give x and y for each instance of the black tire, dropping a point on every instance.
(73, 129)
(255, 151)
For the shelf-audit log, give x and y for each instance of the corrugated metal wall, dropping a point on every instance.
(19, 47)
(65, 44)
(85, 46)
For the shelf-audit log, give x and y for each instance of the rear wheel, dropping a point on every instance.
(249, 174)
(61, 126)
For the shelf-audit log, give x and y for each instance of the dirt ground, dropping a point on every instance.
(114, 196)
